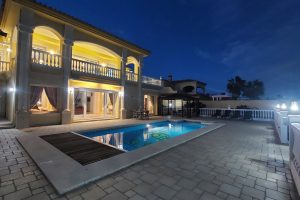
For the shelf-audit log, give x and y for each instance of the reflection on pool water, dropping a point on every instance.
(137, 136)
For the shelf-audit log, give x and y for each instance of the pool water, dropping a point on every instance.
(137, 136)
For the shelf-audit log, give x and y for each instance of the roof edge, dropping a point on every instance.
(48, 10)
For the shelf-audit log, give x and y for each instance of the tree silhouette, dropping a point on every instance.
(254, 89)
(236, 86)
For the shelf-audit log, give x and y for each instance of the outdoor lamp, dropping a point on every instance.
(11, 89)
(278, 106)
(283, 106)
(294, 106)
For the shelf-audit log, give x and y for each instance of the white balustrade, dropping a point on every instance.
(130, 76)
(45, 58)
(151, 81)
(4, 66)
(253, 114)
(94, 69)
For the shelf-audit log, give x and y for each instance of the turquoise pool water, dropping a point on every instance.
(137, 136)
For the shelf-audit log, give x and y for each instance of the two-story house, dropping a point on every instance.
(56, 69)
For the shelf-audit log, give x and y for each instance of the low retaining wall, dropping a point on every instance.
(258, 104)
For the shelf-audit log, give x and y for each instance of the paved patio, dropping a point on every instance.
(238, 161)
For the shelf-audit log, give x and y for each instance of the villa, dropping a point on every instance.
(56, 69)
(72, 91)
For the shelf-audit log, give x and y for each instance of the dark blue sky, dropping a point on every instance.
(207, 40)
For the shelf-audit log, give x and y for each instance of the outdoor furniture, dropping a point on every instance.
(141, 114)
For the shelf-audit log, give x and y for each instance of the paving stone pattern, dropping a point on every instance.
(239, 161)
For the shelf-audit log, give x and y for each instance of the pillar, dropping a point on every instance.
(140, 94)
(123, 114)
(23, 61)
(67, 64)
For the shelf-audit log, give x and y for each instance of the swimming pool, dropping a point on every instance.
(134, 137)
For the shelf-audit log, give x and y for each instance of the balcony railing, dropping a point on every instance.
(94, 69)
(46, 59)
(151, 81)
(130, 76)
(253, 114)
(4, 66)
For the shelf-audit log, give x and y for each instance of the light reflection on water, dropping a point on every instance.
(134, 137)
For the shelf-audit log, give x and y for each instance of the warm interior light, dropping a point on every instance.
(278, 106)
(294, 106)
(8, 49)
(41, 61)
(51, 52)
(283, 106)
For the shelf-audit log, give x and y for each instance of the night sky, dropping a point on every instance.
(207, 40)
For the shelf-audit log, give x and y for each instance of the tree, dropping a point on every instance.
(254, 89)
(236, 86)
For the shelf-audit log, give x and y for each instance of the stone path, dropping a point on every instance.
(238, 161)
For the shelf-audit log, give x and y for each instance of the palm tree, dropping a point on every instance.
(236, 86)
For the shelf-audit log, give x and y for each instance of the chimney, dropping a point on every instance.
(170, 78)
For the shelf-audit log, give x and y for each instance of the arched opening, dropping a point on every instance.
(132, 69)
(95, 54)
(132, 65)
(46, 39)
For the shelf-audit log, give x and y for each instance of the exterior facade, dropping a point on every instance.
(55, 69)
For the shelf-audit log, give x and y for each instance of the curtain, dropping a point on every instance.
(35, 95)
(52, 95)
(111, 98)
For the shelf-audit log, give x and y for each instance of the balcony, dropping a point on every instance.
(4, 66)
(151, 81)
(94, 69)
(130, 76)
(46, 59)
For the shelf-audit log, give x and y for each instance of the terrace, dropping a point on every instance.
(242, 160)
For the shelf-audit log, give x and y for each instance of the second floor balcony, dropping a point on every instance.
(47, 59)
(95, 69)
(151, 81)
(4, 66)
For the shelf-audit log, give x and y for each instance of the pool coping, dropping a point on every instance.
(65, 174)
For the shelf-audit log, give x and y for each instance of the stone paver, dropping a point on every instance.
(239, 161)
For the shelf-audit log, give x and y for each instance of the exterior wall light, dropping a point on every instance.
(121, 93)
(70, 90)
(12, 89)
(278, 106)
(283, 106)
(294, 106)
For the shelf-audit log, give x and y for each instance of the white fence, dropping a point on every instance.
(251, 114)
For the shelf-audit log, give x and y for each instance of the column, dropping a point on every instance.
(23, 60)
(67, 65)
(140, 93)
(123, 84)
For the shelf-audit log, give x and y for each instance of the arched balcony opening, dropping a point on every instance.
(132, 69)
(46, 47)
(94, 59)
